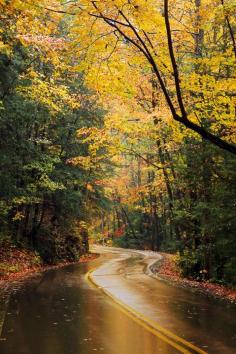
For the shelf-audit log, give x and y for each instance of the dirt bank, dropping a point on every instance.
(168, 270)
(18, 264)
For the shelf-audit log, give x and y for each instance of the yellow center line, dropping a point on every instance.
(160, 332)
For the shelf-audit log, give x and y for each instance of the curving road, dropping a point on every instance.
(63, 311)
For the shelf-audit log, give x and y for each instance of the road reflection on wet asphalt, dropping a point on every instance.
(60, 312)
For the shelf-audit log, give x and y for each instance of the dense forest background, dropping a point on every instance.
(117, 123)
(44, 199)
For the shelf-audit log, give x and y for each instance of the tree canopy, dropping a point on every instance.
(118, 121)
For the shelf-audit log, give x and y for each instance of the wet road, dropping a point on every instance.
(60, 312)
(205, 322)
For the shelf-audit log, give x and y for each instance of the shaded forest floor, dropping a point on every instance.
(168, 270)
(18, 264)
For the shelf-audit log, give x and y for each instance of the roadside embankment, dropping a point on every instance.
(166, 269)
(18, 264)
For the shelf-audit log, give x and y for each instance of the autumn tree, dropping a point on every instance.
(43, 103)
(165, 34)
(112, 115)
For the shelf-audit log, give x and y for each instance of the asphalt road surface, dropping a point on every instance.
(116, 309)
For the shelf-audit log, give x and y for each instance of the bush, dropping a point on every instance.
(189, 264)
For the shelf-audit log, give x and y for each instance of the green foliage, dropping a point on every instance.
(43, 195)
(128, 167)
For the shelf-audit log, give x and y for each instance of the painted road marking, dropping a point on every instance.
(165, 335)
